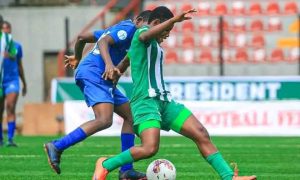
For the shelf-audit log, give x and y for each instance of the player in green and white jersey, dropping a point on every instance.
(152, 106)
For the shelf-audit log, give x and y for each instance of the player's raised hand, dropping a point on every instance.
(71, 61)
(184, 16)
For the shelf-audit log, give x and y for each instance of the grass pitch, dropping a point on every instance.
(268, 158)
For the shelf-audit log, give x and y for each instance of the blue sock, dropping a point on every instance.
(11, 126)
(1, 131)
(127, 141)
(70, 139)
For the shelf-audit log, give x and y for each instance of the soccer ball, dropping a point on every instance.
(161, 169)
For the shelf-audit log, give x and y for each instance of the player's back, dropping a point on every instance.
(93, 65)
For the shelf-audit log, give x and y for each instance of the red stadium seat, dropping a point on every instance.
(238, 8)
(226, 55)
(277, 55)
(241, 55)
(188, 26)
(221, 9)
(188, 42)
(294, 54)
(150, 6)
(186, 6)
(274, 24)
(273, 8)
(206, 40)
(205, 25)
(255, 9)
(205, 56)
(258, 41)
(239, 24)
(240, 40)
(259, 55)
(204, 8)
(171, 56)
(291, 8)
(257, 25)
(188, 55)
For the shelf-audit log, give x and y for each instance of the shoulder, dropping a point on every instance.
(126, 25)
(142, 29)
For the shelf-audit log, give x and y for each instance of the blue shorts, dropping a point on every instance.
(12, 86)
(100, 92)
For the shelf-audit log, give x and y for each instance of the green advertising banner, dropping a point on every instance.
(203, 88)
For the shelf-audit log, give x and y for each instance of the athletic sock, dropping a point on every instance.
(70, 139)
(11, 126)
(219, 164)
(118, 160)
(127, 141)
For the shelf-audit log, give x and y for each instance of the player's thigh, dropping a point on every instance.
(143, 110)
(11, 100)
(95, 92)
(150, 137)
(123, 111)
(122, 106)
(174, 116)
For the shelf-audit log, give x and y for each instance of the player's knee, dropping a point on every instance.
(10, 109)
(150, 151)
(103, 122)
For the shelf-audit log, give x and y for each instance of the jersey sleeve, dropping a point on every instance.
(98, 34)
(139, 32)
(120, 34)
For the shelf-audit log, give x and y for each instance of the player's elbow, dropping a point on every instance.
(81, 39)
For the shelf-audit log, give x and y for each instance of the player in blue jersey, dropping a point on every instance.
(10, 58)
(99, 93)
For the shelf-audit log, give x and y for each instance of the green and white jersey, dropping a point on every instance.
(146, 60)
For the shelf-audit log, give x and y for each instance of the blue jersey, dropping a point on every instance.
(11, 66)
(92, 66)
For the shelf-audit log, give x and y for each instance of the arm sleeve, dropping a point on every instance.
(98, 34)
(120, 35)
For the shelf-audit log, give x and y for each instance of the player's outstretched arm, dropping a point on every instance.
(155, 31)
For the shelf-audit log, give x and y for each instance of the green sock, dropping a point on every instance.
(118, 160)
(219, 164)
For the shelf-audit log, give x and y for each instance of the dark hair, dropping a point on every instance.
(7, 23)
(144, 15)
(162, 13)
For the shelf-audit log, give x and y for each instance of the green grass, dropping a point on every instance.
(267, 157)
